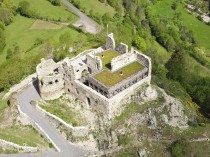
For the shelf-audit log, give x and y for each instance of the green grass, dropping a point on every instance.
(23, 135)
(97, 7)
(109, 79)
(25, 37)
(130, 109)
(46, 10)
(66, 113)
(107, 57)
(200, 29)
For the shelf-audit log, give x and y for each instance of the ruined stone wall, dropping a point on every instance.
(94, 63)
(122, 98)
(90, 97)
(122, 60)
(122, 48)
(51, 87)
(110, 42)
(46, 67)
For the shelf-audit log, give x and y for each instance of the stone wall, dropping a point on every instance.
(94, 63)
(122, 48)
(110, 42)
(13, 146)
(92, 98)
(51, 87)
(80, 131)
(46, 67)
(50, 76)
(122, 60)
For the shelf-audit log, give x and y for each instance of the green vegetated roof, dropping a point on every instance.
(107, 57)
(109, 79)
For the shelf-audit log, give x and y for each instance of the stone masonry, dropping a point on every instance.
(76, 76)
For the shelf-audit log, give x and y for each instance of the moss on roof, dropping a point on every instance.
(106, 57)
(109, 79)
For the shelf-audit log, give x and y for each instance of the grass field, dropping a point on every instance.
(109, 79)
(200, 29)
(46, 10)
(64, 112)
(25, 37)
(39, 24)
(97, 7)
(23, 135)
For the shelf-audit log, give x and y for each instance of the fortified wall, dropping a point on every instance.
(51, 81)
(87, 76)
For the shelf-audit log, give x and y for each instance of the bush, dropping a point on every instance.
(24, 10)
(202, 124)
(200, 18)
(2, 25)
(55, 2)
(180, 148)
(50, 145)
(2, 40)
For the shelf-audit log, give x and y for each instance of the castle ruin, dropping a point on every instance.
(103, 79)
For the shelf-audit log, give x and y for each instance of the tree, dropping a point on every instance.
(65, 38)
(106, 18)
(2, 25)
(174, 5)
(55, 2)
(176, 66)
(180, 148)
(9, 54)
(5, 15)
(24, 9)
(140, 43)
(2, 40)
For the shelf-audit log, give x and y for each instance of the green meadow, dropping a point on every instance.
(97, 7)
(200, 29)
(46, 10)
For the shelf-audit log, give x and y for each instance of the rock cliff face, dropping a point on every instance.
(170, 110)
(154, 110)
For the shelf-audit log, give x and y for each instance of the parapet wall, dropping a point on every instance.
(122, 60)
(46, 67)
(122, 48)
(110, 42)
(94, 63)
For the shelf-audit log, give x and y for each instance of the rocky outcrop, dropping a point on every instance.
(174, 112)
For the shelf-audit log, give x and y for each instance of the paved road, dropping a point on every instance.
(67, 150)
(90, 25)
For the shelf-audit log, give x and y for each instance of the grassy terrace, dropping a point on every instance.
(109, 79)
(108, 55)
(23, 135)
(66, 113)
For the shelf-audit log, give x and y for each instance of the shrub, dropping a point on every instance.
(180, 148)
(50, 145)
(55, 2)
(202, 124)
(200, 18)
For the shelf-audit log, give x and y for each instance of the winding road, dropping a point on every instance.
(66, 149)
(30, 93)
(90, 25)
